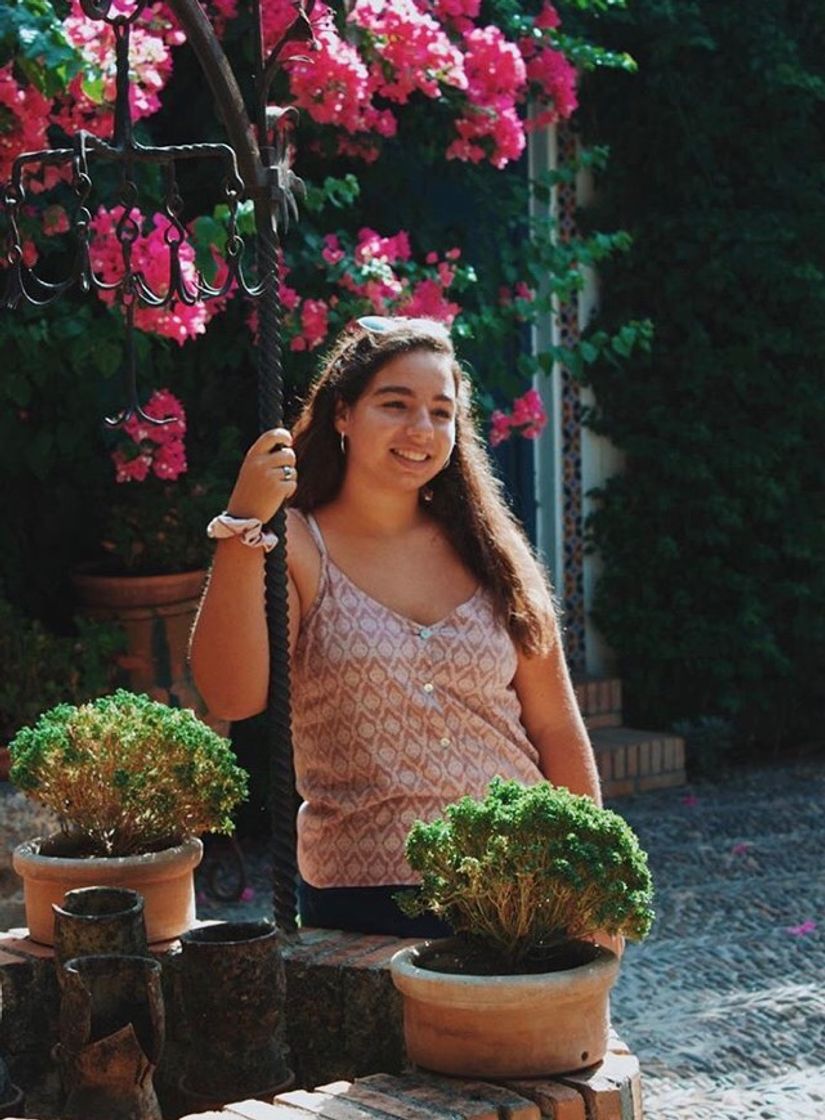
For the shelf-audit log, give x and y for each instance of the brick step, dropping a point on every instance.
(631, 761)
(600, 700)
(609, 1091)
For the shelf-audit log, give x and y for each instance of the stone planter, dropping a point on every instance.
(504, 1026)
(233, 990)
(165, 879)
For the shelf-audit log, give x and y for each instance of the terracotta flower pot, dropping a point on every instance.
(157, 614)
(504, 1026)
(164, 878)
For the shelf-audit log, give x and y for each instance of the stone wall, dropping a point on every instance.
(343, 1024)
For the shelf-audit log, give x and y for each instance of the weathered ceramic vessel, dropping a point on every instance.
(233, 989)
(112, 1028)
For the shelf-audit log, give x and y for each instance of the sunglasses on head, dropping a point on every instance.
(385, 324)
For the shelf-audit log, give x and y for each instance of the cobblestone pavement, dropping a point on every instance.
(724, 1004)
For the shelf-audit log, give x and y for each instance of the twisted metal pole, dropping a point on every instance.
(282, 795)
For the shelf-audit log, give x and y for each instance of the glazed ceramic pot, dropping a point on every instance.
(496, 1027)
(164, 878)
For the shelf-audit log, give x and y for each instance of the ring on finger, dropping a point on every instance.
(288, 473)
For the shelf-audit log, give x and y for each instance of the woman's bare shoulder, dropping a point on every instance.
(303, 558)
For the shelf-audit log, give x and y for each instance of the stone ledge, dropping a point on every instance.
(344, 1026)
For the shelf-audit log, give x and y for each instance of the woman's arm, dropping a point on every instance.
(551, 718)
(229, 650)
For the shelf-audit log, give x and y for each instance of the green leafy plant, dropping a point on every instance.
(713, 589)
(127, 774)
(39, 669)
(527, 868)
(709, 745)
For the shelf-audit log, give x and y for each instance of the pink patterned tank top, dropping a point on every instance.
(392, 720)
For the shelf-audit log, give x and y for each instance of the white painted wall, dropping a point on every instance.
(547, 448)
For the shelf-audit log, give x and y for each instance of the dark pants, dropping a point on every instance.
(364, 910)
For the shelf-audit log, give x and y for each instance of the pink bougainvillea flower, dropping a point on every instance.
(332, 251)
(427, 301)
(742, 848)
(314, 322)
(158, 448)
(803, 929)
(500, 427)
(150, 253)
(691, 800)
(23, 119)
(529, 415)
(547, 18)
(150, 59)
(528, 418)
(413, 52)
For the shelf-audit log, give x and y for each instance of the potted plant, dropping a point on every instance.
(525, 877)
(151, 563)
(134, 784)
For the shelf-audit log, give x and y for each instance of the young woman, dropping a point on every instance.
(425, 650)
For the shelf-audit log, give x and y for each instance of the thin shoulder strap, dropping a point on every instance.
(316, 534)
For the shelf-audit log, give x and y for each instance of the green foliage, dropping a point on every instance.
(709, 743)
(525, 868)
(713, 591)
(39, 668)
(33, 36)
(127, 773)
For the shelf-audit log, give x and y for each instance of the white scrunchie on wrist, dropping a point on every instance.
(249, 529)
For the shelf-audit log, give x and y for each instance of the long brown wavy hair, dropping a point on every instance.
(467, 499)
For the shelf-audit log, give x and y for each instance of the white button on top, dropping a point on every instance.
(445, 742)
(428, 687)
(424, 632)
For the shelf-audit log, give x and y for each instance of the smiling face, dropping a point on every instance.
(401, 430)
